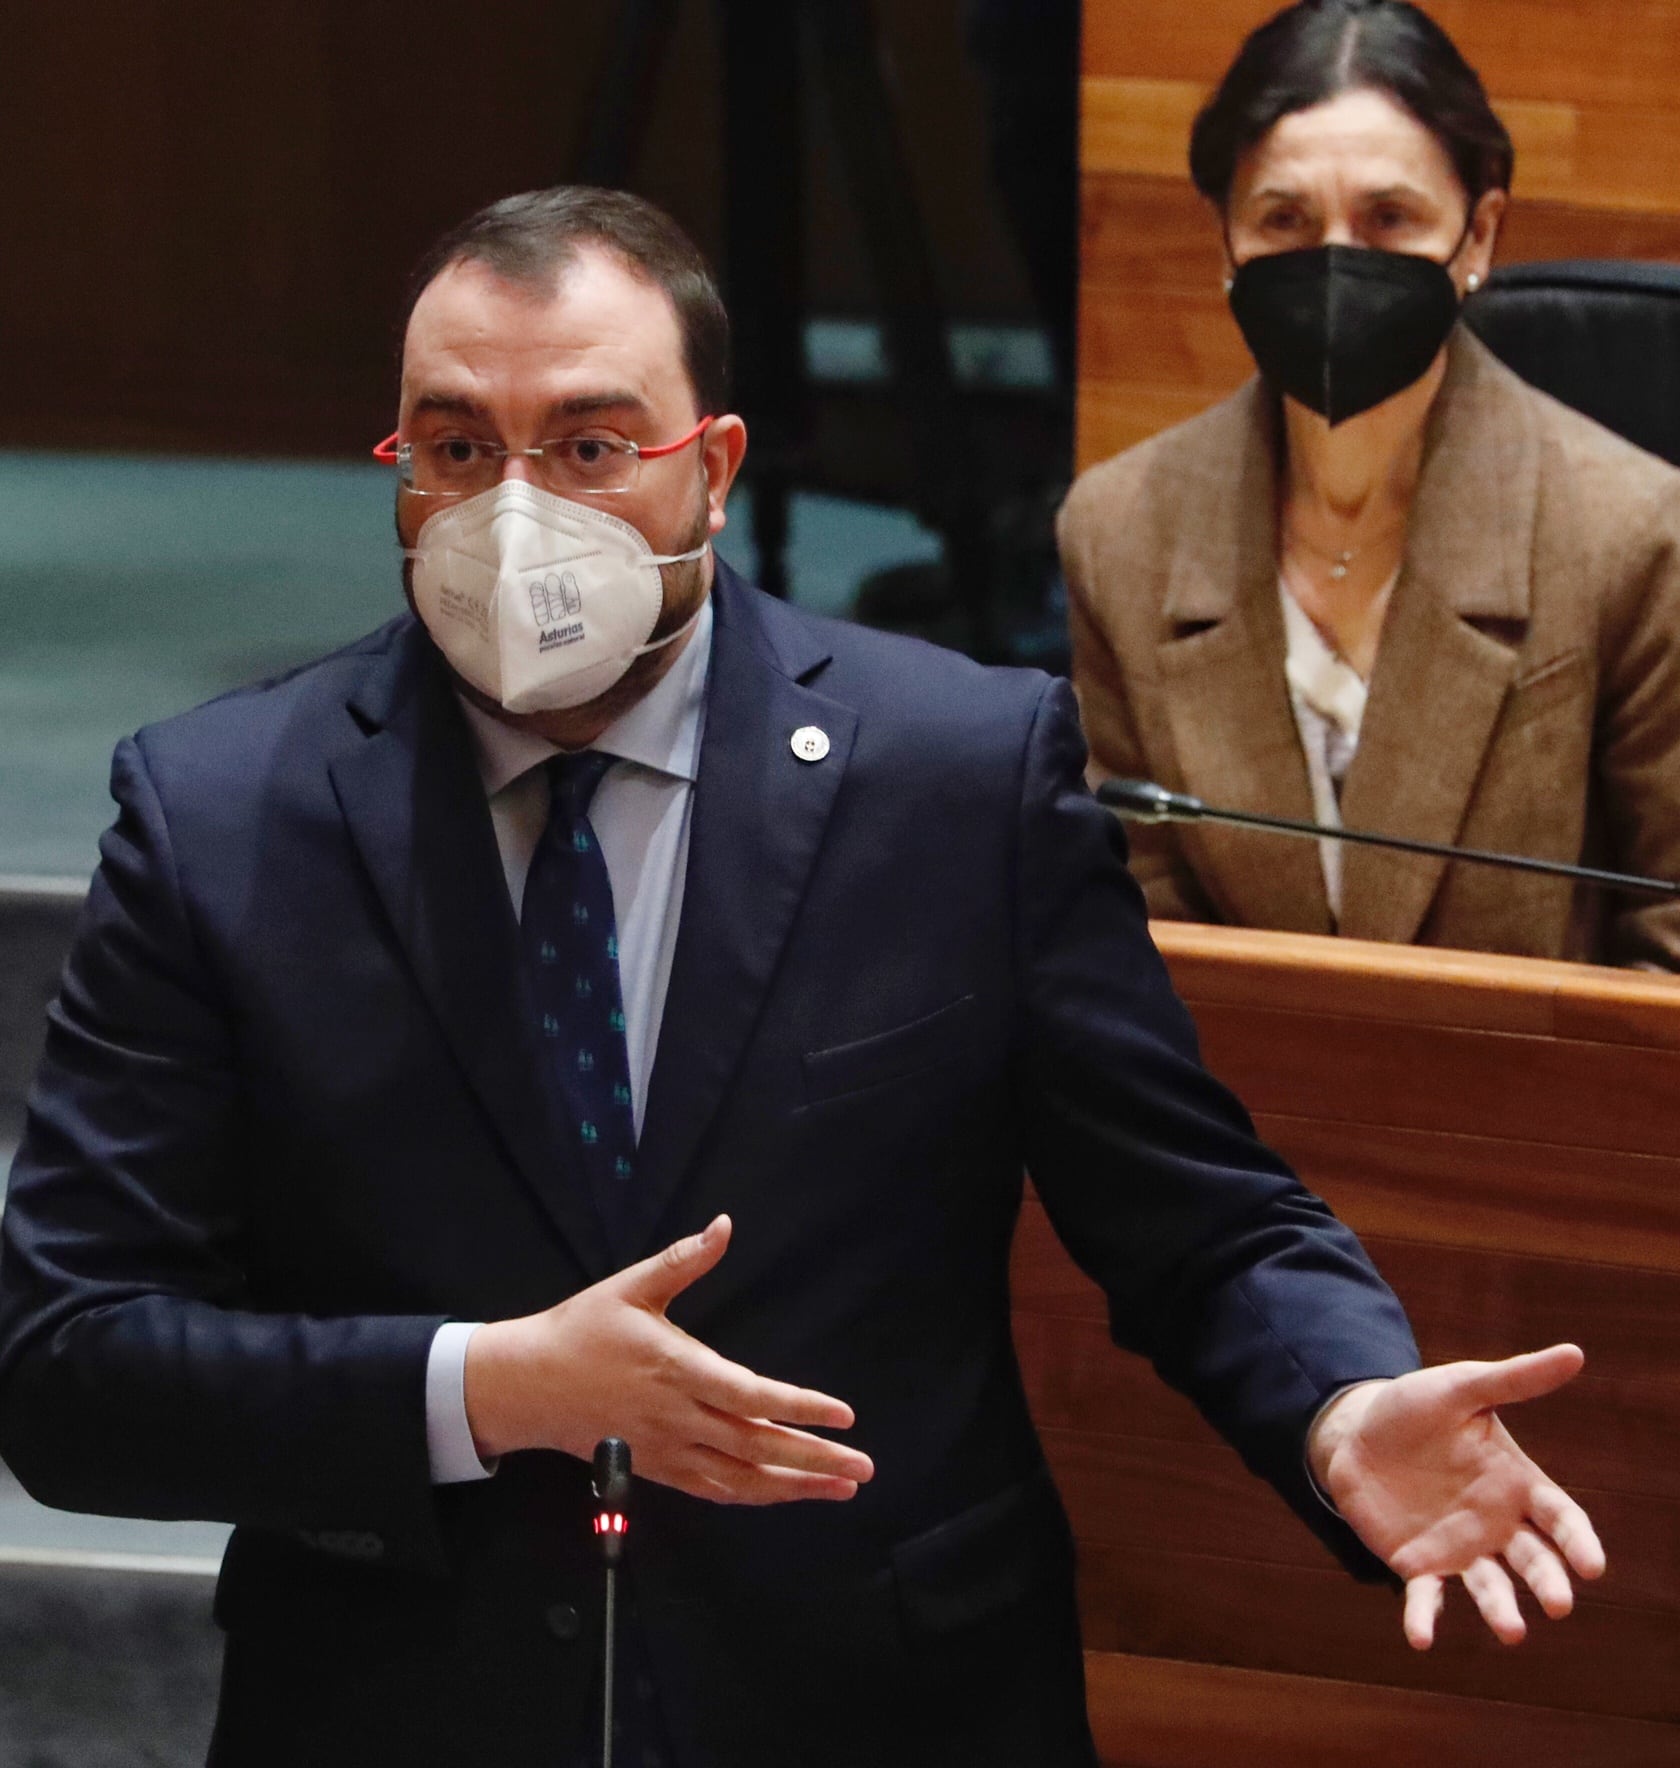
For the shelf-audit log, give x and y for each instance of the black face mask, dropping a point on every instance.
(1342, 328)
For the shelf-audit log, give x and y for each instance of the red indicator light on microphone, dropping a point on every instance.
(610, 1523)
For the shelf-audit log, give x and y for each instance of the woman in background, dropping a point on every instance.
(1386, 584)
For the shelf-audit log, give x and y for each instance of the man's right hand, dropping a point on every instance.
(606, 1362)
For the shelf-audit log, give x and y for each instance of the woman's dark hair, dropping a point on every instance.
(529, 239)
(1321, 48)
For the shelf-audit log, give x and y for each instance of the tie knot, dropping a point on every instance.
(572, 780)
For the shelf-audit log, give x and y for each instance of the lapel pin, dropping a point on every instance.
(809, 743)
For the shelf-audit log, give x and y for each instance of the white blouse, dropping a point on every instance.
(1328, 695)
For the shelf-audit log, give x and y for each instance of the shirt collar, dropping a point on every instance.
(661, 731)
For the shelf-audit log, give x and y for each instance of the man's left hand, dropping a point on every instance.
(1433, 1483)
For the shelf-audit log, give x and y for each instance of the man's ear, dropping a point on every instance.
(721, 454)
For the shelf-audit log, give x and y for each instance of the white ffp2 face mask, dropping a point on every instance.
(538, 602)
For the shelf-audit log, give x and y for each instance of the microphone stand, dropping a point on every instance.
(612, 1497)
(1142, 801)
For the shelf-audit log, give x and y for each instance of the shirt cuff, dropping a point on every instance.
(449, 1443)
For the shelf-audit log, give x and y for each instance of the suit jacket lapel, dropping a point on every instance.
(759, 817)
(415, 806)
(1222, 678)
(1448, 650)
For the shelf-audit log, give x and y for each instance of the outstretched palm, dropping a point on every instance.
(1433, 1482)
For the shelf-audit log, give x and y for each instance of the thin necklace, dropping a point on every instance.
(1339, 561)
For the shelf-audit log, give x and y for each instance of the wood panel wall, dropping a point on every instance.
(1586, 87)
(1503, 1135)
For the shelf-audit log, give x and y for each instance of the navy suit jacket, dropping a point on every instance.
(289, 1121)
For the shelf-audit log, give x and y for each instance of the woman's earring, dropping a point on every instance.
(1230, 283)
(1473, 281)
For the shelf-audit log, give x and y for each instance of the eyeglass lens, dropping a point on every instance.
(460, 465)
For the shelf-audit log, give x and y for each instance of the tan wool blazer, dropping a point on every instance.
(1526, 695)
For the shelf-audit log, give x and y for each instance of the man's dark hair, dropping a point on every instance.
(1320, 49)
(530, 239)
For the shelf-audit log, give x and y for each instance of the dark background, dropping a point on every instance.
(210, 210)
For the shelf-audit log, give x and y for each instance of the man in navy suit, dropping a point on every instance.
(633, 1017)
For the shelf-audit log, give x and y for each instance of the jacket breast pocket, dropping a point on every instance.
(1562, 681)
(938, 1037)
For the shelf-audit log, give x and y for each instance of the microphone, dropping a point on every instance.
(611, 1485)
(1142, 801)
(612, 1495)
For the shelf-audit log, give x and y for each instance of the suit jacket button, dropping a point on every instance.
(564, 1622)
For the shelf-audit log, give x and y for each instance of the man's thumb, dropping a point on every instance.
(1527, 1377)
(656, 1282)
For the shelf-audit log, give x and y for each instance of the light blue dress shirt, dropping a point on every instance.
(641, 814)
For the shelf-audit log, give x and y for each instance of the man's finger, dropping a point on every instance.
(743, 1483)
(1563, 1522)
(706, 1473)
(726, 1387)
(1424, 1597)
(763, 1444)
(688, 1477)
(657, 1282)
(1496, 1597)
(1451, 1544)
(1527, 1377)
(1542, 1571)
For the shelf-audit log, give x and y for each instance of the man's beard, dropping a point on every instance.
(683, 586)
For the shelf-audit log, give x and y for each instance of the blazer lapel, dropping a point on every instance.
(416, 809)
(1221, 670)
(1448, 651)
(759, 817)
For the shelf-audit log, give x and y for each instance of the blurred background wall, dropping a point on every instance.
(211, 209)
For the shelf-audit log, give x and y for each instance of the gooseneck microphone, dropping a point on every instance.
(612, 1524)
(612, 1496)
(1142, 801)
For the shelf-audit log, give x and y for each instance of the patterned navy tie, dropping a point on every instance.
(571, 949)
(570, 936)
